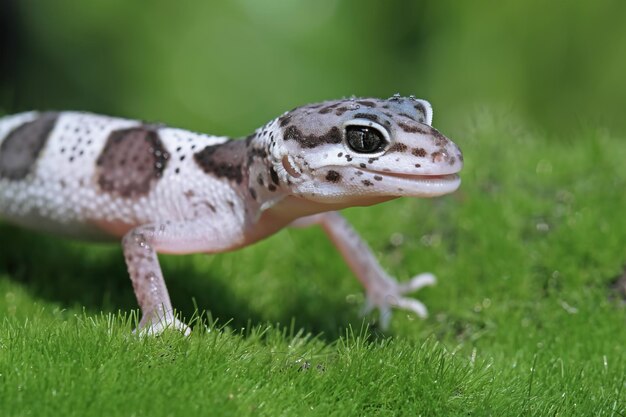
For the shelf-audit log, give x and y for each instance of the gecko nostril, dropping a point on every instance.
(440, 156)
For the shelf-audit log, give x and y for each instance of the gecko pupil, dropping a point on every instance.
(364, 139)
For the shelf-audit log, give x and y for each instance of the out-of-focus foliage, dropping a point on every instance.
(226, 67)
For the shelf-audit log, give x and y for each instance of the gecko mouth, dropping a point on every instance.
(417, 185)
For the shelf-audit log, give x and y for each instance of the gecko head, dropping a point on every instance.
(360, 151)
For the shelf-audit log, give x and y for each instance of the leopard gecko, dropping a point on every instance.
(160, 189)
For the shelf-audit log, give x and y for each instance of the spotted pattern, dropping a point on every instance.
(21, 148)
(131, 161)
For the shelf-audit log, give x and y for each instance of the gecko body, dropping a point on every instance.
(166, 190)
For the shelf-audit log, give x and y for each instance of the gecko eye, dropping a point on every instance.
(365, 139)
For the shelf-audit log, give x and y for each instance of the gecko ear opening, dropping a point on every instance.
(291, 170)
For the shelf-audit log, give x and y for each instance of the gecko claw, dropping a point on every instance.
(391, 295)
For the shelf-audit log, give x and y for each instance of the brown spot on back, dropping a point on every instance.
(224, 160)
(333, 176)
(21, 148)
(131, 161)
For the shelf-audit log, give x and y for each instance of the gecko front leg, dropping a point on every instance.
(382, 291)
(141, 246)
(148, 283)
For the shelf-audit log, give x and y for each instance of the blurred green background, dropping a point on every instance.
(227, 67)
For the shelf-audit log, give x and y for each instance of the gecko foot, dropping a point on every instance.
(388, 293)
(157, 325)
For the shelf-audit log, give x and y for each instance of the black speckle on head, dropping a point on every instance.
(418, 165)
(259, 179)
(144, 148)
(274, 176)
(372, 160)
(252, 192)
(378, 178)
(340, 154)
(421, 152)
(271, 187)
(359, 173)
(21, 148)
(398, 147)
(367, 116)
(333, 176)
(362, 165)
(367, 183)
(224, 160)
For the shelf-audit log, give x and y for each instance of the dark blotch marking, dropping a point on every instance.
(333, 176)
(359, 173)
(224, 160)
(378, 178)
(440, 140)
(372, 160)
(259, 179)
(144, 148)
(398, 147)
(22, 146)
(421, 152)
(311, 141)
(328, 109)
(367, 116)
(252, 192)
(366, 103)
(420, 108)
(284, 121)
(411, 128)
(367, 183)
(341, 110)
(340, 154)
(362, 165)
(271, 187)
(418, 165)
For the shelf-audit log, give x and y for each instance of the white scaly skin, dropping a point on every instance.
(166, 190)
